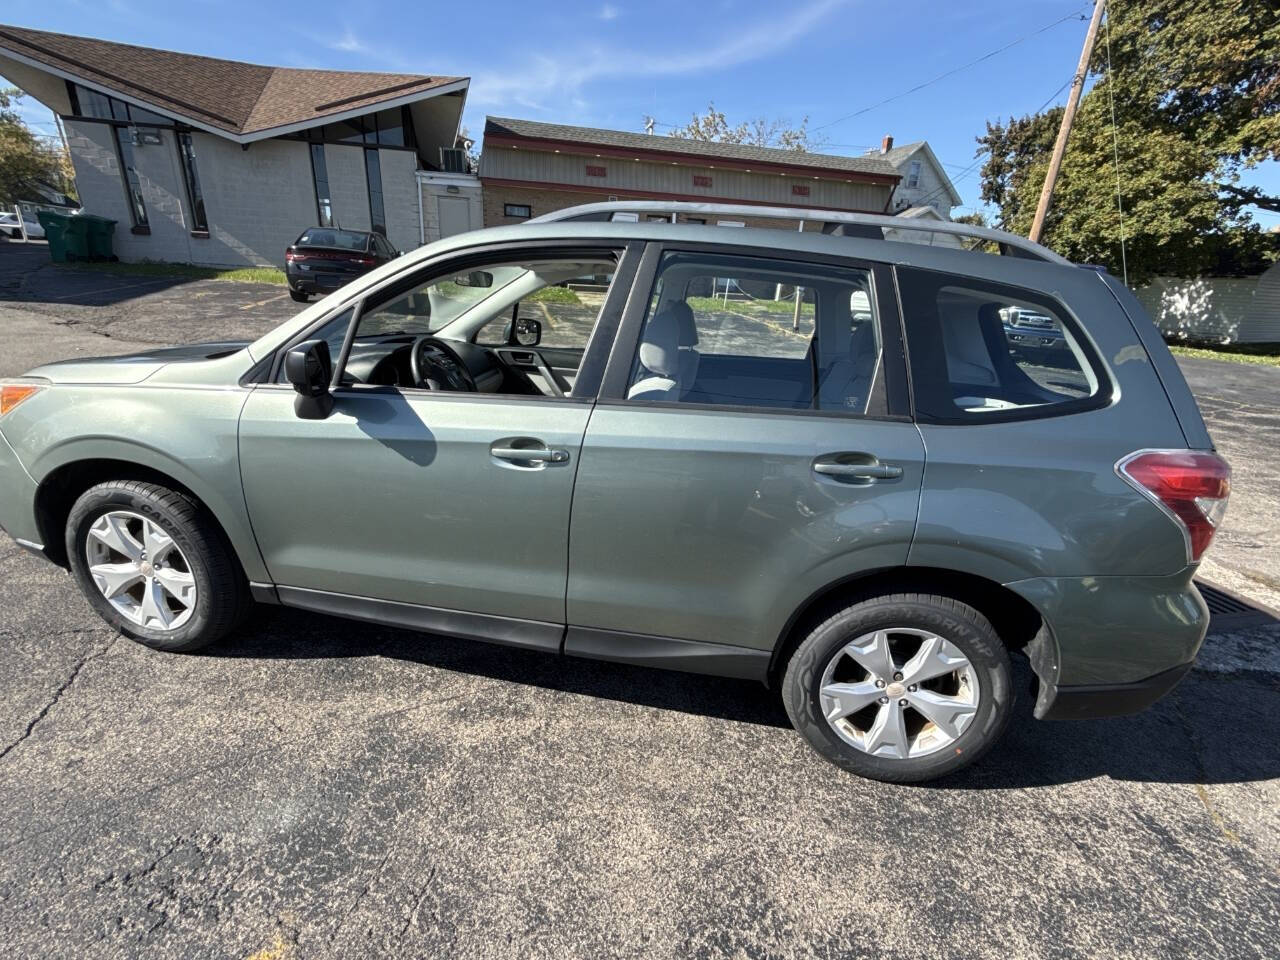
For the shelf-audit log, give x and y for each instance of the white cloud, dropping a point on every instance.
(609, 12)
(349, 43)
(567, 73)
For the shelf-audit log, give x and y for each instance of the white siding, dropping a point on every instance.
(930, 193)
(1223, 309)
(348, 185)
(648, 176)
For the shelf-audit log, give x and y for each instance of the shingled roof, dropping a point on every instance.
(500, 128)
(239, 98)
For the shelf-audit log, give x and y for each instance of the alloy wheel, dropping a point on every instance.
(140, 570)
(899, 693)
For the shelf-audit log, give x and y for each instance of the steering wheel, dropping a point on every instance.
(436, 366)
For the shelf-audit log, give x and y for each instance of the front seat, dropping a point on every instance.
(660, 358)
(688, 341)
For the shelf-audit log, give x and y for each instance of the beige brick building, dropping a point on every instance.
(530, 168)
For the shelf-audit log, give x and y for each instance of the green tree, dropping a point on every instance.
(1195, 85)
(26, 163)
(713, 127)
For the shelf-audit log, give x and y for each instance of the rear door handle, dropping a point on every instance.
(529, 452)
(857, 471)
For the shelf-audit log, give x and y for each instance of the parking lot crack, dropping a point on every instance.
(66, 684)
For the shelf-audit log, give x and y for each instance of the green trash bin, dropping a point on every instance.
(100, 231)
(55, 231)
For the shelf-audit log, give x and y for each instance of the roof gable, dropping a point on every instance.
(899, 156)
(223, 95)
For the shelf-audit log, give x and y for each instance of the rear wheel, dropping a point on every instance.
(154, 565)
(298, 295)
(901, 688)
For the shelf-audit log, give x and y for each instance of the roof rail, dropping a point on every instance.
(870, 225)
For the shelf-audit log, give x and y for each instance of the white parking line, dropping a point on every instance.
(261, 303)
(118, 287)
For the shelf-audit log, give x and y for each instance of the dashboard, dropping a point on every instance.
(387, 361)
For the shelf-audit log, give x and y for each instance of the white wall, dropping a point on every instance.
(102, 191)
(434, 186)
(257, 201)
(400, 196)
(1220, 309)
(931, 191)
(348, 186)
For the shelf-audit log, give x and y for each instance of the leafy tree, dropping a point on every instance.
(26, 163)
(1196, 88)
(713, 127)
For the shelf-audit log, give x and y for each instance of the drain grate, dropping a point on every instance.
(1229, 612)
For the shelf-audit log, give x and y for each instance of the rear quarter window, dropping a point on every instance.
(981, 351)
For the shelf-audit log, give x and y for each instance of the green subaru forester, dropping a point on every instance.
(862, 470)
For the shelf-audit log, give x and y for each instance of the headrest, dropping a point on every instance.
(660, 348)
(684, 323)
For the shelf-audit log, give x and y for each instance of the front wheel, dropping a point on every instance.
(154, 565)
(900, 688)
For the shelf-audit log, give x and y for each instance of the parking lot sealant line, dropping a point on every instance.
(57, 695)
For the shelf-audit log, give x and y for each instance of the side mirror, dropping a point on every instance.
(308, 367)
(528, 332)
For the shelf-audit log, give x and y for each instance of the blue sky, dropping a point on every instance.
(610, 63)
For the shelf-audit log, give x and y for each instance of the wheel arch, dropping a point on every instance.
(59, 488)
(1018, 624)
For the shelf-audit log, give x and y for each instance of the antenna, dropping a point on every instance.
(648, 125)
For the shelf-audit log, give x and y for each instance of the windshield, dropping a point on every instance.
(434, 305)
(339, 239)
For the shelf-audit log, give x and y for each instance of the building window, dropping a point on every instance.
(373, 172)
(99, 106)
(320, 174)
(129, 174)
(521, 210)
(913, 174)
(195, 197)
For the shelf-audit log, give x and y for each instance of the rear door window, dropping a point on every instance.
(988, 351)
(747, 332)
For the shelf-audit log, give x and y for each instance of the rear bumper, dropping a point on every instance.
(1112, 645)
(1087, 702)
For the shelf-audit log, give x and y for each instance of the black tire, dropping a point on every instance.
(222, 593)
(298, 295)
(959, 623)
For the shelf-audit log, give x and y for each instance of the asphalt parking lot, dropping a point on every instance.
(316, 788)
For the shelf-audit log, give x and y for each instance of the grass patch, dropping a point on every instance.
(780, 307)
(186, 271)
(1267, 354)
(554, 295)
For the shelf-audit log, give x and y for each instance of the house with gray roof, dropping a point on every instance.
(217, 162)
(924, 182)
(530, 168)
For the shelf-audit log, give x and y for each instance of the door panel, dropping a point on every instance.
(712, 525)
(399, 496)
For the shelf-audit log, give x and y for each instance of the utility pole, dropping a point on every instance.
(1064, 131)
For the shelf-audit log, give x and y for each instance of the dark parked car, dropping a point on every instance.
(323, 259)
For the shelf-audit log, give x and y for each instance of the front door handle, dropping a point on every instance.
(866, 472)
(527, 451)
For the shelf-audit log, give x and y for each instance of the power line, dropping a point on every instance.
(1076, 15)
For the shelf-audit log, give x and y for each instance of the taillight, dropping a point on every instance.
(291, 255)
(12, 394)
(363, 261)
(1190, 486)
